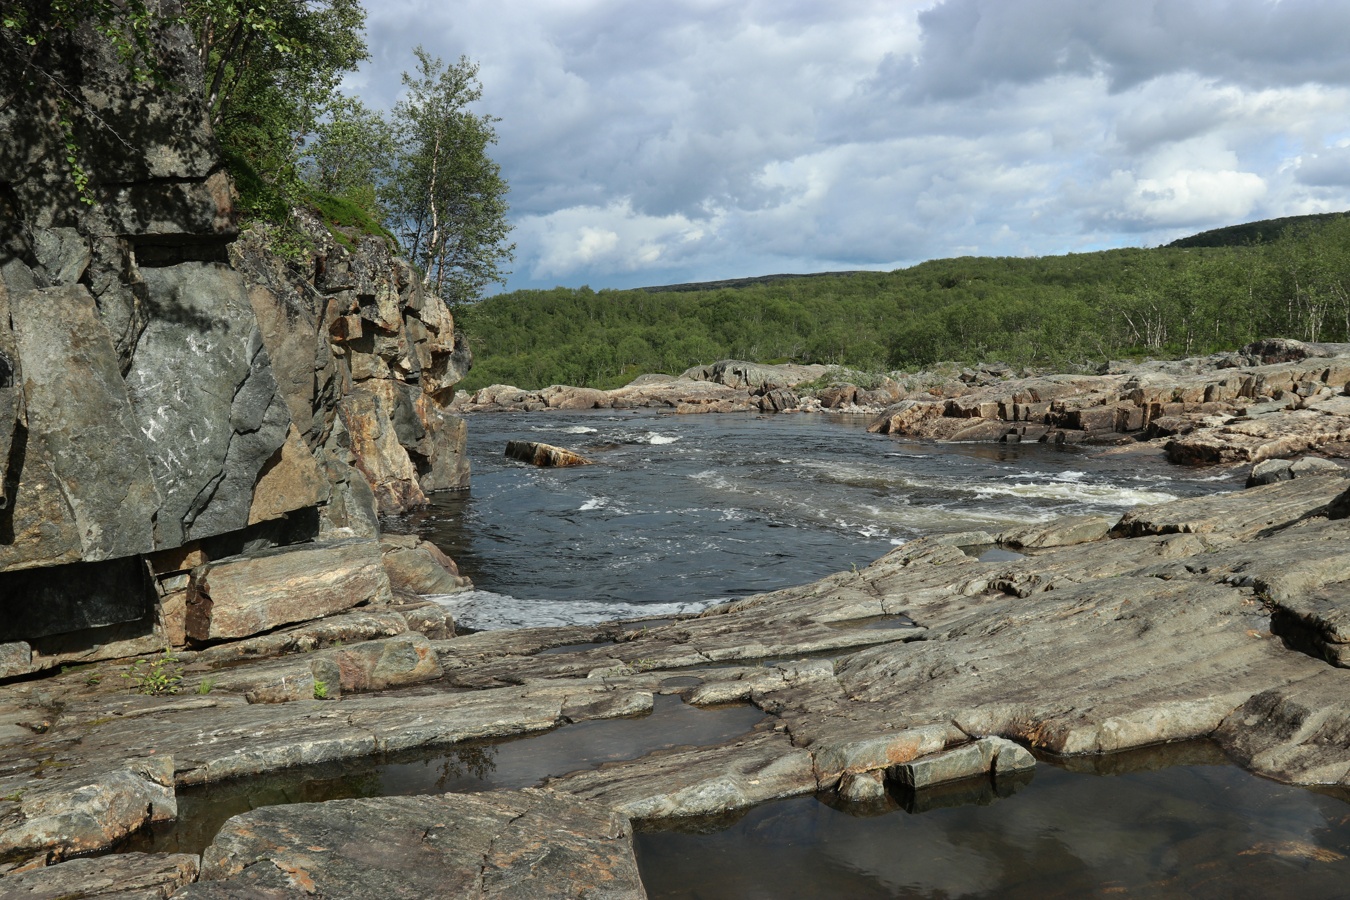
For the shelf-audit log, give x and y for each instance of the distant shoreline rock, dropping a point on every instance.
(1272, 399)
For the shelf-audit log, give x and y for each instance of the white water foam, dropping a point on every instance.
(594, 503)
(655, 437)
(487, 611)
(570, 429)
(1074, 490)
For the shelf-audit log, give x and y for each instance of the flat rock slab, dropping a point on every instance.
(125, 876)
(1242, 514)
(700, 780)
(537, 454)
(1062, 532)
(527, 844)
(244, 595)
(69, 807)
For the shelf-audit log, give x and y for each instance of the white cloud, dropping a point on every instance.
(698, 139)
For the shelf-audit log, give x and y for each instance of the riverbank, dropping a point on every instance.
(1271, 399)
(1217, 616)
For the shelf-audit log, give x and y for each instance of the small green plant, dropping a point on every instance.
(156, 677)
(205, 686)
(13, 797)
(643, 665)
(93, 680)
(320, 690)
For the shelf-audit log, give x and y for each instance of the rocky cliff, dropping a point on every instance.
(171, 392)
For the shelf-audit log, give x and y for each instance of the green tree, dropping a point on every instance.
(350, 153)
(271, 67)
(446, 195)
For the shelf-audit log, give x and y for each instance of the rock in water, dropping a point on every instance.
(537, 454)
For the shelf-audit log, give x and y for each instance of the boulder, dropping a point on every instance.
(417, 567)
(386, 663)
(244, 595)
(538, 454)
(1269, 471)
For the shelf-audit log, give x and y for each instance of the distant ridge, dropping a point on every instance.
(745, 282)
(1251, 232)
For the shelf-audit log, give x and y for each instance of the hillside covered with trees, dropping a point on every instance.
(1065, 313)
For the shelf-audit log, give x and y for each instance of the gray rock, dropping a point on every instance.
(1063, 532)
(1315, 465)
(16, 658)
(976, 758)
(122, 875)
(81, 807)
(701, 781)
(210, 428)
(1269, 471)
(521, 844)
(77, 407)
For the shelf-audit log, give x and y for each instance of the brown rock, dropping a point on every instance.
(291, 480)
(417, 567)
(386, 663)
(538, 454)
(245, 595)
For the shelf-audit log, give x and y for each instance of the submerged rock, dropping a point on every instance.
(538, 454)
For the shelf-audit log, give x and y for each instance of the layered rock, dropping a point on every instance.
(170, 395)
(1271, 399)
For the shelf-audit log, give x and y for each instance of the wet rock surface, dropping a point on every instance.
(547, 455)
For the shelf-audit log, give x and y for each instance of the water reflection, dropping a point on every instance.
(1168, 822)
(470, 766)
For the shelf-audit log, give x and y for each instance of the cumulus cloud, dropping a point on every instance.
(701, 139)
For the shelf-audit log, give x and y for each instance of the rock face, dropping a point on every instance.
(172, 394)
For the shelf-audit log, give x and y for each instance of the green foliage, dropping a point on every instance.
(346, 219)
(1067, 313)
(445, 194)
(320, 690)
(350, 153)
(158, 676)
(272, 66)
(205, 686)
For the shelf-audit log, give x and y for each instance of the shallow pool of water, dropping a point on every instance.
(1165, 822)
(471, 766)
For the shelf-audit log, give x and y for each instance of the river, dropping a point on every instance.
(682, 511)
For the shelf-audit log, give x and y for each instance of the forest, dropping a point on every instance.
(1203, 294)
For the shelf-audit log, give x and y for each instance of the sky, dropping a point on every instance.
(653, 142)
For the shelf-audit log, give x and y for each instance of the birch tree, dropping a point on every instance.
(446, 195)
